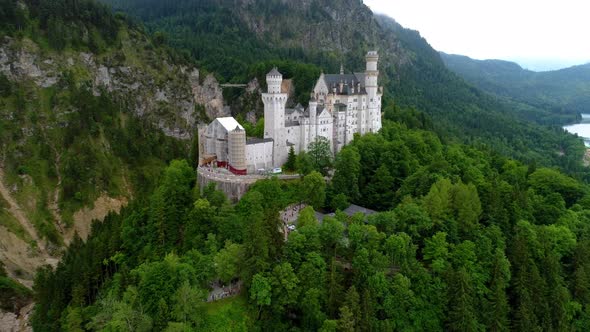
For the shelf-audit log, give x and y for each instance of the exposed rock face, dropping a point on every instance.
(337, 27)
(288, 88)
(8, 322)
(208, 93)
(169, 102)
(252, 95)
(102, 207)
(11, 322)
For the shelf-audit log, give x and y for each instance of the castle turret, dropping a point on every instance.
(274, 116)
(237, 151)
(313, 119)
(371, 73)
(373, 111)
(274, 79)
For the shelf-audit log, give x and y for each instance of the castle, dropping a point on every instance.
(341, 105)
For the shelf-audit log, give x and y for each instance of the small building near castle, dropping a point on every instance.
(341, 106)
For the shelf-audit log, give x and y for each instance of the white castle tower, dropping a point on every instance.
(274, 116)
(313, 118)
(373, 95)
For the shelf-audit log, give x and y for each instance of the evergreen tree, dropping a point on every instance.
(497, 314)
(291, 163)
(462, 310)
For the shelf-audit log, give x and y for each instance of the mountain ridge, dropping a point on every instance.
(565, 91)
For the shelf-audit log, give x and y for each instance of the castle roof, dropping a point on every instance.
(229, 123)
(334, 80)
(254, 140)
(274, 72)
(292, 110)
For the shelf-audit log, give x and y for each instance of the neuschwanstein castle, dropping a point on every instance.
(341, 105)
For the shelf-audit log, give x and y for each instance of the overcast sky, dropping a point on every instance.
(540, 35)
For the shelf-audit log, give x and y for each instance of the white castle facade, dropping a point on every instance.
(341, 106)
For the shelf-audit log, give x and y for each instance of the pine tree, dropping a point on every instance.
(462, 314)
(497, 315)
(291, 163)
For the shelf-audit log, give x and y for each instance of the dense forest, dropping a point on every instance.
(466, 240)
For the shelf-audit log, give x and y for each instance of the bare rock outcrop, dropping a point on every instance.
(209, 94)
(168, 100)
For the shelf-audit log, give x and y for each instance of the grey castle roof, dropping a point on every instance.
(291, 110)
(251, 141)
(334, 80)
(274, 72)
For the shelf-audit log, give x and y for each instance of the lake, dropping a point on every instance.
(582, 129)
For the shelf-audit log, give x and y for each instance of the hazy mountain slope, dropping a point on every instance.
(565, 92)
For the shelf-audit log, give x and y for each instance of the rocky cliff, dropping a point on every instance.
(147, 85)
(167, 94)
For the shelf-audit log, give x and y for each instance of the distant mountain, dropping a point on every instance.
(547, 64)
(565, 92)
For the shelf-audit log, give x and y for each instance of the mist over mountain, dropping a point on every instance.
(565, 91)
(547, 64)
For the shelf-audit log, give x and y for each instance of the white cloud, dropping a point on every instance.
(502, 29)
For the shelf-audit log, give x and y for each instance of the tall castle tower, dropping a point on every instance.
(313, 119)
(373, 95)
(274, 116)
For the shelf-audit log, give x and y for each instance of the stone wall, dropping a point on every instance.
(232, 186)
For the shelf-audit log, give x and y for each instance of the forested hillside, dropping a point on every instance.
(467, 240)
(229, 38)
(91, 111)
(564, 93)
